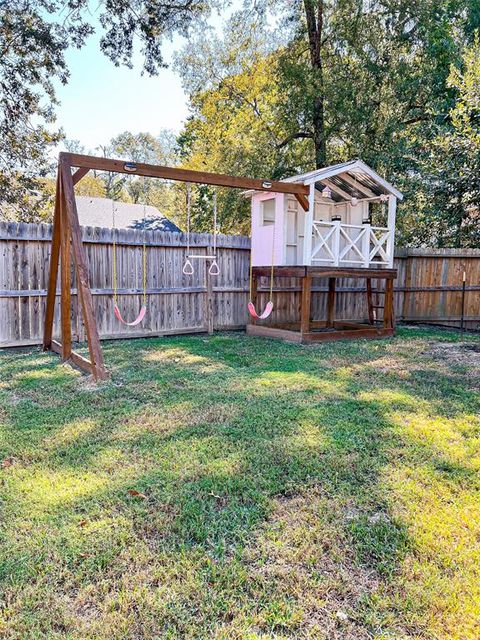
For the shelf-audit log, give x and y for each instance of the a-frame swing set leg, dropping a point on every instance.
(67, 240)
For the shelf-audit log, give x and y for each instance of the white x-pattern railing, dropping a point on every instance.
(338, 244)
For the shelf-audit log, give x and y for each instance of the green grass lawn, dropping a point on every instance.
(232, 487)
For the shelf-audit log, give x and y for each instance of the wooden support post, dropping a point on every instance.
(254, 294)
(371, 317)
(52, 278)
(306, 304)
(308, 227)
(388, 310)
(331, 302)
(65, 282)
(83, 287)
(208, 295)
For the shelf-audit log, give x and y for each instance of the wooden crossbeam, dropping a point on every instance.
(303, 200)
(77, 359)
(336, 189)
(182, 175)
(79, 174)
(361, 188)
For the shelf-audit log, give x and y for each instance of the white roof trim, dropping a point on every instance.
(325, 172)
(337, 169)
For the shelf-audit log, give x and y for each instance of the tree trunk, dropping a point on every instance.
(315, 31)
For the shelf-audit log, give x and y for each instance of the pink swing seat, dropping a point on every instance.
(266, 312)
(134, 323)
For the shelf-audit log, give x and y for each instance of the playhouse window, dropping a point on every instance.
(268, 211)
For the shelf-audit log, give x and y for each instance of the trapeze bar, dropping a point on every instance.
(203, 257)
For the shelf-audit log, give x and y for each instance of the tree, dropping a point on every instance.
(452, 168)
(34, 36)
(32, 54)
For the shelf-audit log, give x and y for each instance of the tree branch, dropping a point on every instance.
(295, 136)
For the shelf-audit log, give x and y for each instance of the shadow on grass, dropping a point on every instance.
(207, 433)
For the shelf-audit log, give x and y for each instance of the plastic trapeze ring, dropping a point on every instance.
(214, 269)
(137, 320)
(188, 268)
(266, 312)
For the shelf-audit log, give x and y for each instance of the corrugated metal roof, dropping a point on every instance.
(358, 172)
(349, 178)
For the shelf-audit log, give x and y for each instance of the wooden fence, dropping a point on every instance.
(428, 288)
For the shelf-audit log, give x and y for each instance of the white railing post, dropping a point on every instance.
(308, 227)
(336, 244)
(366, 245)
(392, 209)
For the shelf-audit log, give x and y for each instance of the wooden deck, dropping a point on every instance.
(306, 329)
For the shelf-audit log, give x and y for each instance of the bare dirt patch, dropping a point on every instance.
(465, 354)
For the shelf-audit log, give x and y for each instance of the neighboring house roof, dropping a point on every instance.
(98, 212)
(346, 180)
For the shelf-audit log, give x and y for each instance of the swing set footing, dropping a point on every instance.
(78, 361)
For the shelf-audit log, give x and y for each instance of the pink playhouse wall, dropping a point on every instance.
(262, 235)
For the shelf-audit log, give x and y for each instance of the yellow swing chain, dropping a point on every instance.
(115, 286)
(144, 298)
(144, 256)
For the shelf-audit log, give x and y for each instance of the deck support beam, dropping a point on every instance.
(304, 330)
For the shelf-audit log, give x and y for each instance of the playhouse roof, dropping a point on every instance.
(347, 180)
(97, 212)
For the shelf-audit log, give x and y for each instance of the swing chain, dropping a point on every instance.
(214, 269)
(144, 277)
(187, 265)
(115, 285)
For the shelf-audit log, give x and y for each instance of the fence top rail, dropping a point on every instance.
(427, 252)
(23, 231)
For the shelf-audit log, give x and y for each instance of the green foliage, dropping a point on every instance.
(32, 53)
(291, 85)
(453, 167)
(387, 98)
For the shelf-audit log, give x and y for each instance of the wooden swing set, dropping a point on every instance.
(67, 241)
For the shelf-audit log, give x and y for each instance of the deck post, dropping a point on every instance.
(366, 245)
(336, 245)
(388, 309)
(306, 304)
(308, 227)
(331, 302)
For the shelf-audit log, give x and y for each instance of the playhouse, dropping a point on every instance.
(347, 231)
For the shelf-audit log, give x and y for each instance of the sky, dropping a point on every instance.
(102, 100)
